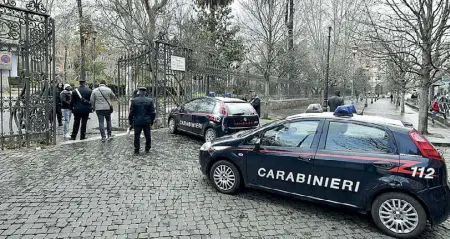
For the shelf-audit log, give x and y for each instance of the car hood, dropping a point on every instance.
(228, 140)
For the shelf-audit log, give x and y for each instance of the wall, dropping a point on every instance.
(288, 103)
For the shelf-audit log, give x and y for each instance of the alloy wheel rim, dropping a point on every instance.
(398, 216)
(224, 177)
(210, 136)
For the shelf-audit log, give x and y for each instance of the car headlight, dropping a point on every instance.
(209, 147)
(206, 146)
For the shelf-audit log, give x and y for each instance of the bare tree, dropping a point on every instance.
(263, 25)
(131, 22)
(423, 27)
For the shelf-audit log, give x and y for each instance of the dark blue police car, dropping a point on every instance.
(371, 164)
(212, 117)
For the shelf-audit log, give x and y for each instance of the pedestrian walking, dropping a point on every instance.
(255, 102)
(81, 108)
(101, 103)
(65, 97)
(335, 101)
(434, 108)
(392, 98)
(142, 115)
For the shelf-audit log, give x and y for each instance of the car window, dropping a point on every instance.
(237, 108)
(191, 105)
(205, 105)
(292, 134)
(344, 136)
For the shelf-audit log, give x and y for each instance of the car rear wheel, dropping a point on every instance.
(225, 177)
(210, 135)
(172, 126)
(399, 215)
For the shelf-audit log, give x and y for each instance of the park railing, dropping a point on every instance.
(172, 77)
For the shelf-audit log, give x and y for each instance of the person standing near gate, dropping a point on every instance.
(65, 96)
(255, 102)
(59, 115)
(101, 103)
(81, 108)
(142, 115)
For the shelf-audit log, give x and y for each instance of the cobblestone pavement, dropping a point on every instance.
(90, 189)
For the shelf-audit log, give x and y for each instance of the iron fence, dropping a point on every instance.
(27, 69)
(170, 83)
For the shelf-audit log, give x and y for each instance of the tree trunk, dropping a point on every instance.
(266, 97)
(423, 110)
(82, 42)
(65, 64)
(402, 104)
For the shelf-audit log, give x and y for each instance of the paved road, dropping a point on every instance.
(90, 189)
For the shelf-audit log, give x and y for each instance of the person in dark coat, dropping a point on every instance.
(335, 101)
(142, 115)
(81, 108)
(59, 89)
(255, 102)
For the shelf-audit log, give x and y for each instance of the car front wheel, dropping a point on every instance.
(225, 177)
(172, 126)
(399, 215)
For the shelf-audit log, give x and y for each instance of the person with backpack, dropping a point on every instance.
(80, 106)
(101, 103)
(65, 97)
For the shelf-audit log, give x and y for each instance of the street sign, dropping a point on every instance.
(5, 61)
(177, 63)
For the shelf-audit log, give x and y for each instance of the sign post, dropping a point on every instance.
(5, 61)
(177, 63)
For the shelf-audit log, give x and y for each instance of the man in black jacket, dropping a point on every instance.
(142, 116)
(81, 108)
(255, 102)
(335, 101)
(59, 89)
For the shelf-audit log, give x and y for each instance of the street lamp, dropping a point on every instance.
(355, 50)
(327, 73)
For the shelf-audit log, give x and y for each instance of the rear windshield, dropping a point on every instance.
(240, 108)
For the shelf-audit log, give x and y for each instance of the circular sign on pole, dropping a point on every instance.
(5, 59)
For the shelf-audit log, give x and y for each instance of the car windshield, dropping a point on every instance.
(237, 108)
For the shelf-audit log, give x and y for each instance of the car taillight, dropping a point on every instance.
(223, 109)
(424, 146)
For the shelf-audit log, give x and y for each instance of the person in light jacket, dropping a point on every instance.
(65, 97)
(101, 102)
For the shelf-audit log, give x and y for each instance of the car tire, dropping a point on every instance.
(410, 213)
(225, 177)
(173, 128)
(210, 135)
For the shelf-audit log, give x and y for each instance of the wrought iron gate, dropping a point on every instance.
(27, 92)
(171, 84)
(152, 68)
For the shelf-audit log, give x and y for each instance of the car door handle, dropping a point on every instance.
(305, 158)
(383, 165)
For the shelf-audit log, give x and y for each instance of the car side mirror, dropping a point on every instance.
(257, 144)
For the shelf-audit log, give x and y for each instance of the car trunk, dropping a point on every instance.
(241, 115)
